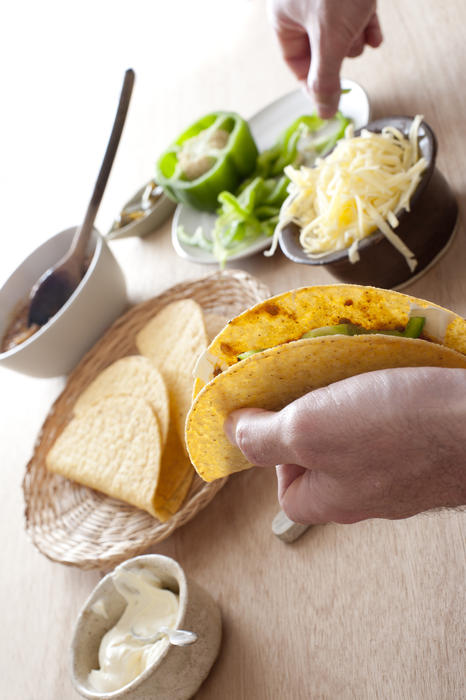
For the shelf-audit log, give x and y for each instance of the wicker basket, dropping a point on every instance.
(75, 525)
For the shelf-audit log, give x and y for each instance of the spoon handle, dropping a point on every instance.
(287, 530)
(81, 236)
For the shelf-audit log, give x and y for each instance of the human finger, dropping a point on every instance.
(259, 436)
(312, 497)
(298, 434)
(357, 47)
(373, 33)
(295, 49)
(286, 474)
(324, 75)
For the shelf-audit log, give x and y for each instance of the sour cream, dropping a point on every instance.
(122, 656)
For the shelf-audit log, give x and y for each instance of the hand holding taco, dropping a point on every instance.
(309, 338)
(384, 444)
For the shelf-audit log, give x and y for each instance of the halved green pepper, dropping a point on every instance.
(215, 154)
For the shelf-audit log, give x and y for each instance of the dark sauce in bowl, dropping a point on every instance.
(17, 329)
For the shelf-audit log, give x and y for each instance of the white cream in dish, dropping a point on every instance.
(123, 655)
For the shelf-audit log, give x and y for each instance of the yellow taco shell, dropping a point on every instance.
(172, 340)
(114, 445)
(285, 317)
(132, 375)
(290, 366)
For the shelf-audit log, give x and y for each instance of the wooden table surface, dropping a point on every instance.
(372, 610)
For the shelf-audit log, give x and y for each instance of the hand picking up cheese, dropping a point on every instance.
(361, 186)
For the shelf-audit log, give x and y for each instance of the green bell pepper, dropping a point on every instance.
(413, 329)
(214, 154)
(321, 134)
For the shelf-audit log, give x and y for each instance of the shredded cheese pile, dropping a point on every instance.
(361, 186)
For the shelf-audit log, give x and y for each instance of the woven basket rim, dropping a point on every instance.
(77, 526)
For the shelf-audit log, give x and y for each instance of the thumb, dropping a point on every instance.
(256, 433)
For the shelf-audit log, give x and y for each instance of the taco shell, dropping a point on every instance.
(285, 317)
(132, 375)
(172, 340)
(114, 446)
(290, 366)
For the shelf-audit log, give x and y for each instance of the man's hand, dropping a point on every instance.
(316, 35)
(386, 444)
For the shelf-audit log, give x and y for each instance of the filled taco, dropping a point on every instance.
(305, 339)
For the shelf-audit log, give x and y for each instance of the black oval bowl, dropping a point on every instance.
(426, 229)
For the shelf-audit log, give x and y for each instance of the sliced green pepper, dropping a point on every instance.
(413, 329)
(337, 329)
(248, 353)
(286, 151)
(215, 154)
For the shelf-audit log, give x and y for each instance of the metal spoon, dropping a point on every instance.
(179, 638)
(57, 284)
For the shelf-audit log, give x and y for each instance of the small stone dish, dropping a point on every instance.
(427, 229)
(180, 670)
(154, 216)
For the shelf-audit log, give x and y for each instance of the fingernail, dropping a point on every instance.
(230, 429)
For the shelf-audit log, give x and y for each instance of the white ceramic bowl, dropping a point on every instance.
(179, 671)
(100, 297)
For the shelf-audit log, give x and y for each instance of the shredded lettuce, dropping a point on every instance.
(248, 216)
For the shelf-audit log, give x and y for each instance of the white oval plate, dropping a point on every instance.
(266, 126)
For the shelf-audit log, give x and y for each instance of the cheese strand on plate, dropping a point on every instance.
(361, 186)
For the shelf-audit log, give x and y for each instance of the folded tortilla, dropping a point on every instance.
(286, 366)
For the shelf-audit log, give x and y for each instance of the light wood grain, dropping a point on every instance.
(373, 610)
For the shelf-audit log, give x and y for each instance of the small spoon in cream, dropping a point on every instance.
(179, 638)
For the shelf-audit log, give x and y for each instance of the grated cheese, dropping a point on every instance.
(360, 187)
